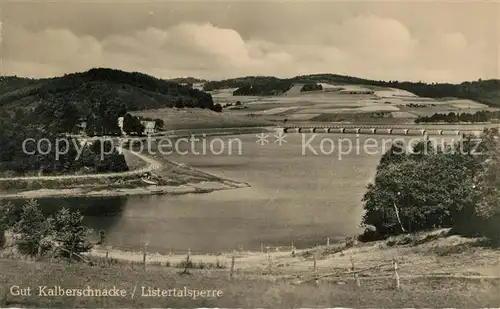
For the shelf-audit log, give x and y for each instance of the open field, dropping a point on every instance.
(199, 118)
(325, 105)
(435, 271)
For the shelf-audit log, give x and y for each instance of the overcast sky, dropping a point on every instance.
(400, 40)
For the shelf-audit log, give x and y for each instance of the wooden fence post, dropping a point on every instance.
(144, 258)
(270, 262)
(106, 261)
(261, 247)
(316, 281)
(187, 262)
(39, 253)
(396, 275)
(232, 267)
(293, 249)
(328, 241)
(356, 278)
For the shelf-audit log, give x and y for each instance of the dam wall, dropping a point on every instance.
(367, 130)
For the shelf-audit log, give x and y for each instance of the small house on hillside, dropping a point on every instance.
(81, 126)
(149, 127)
(120, 124)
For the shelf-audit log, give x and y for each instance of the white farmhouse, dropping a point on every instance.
(149, 127)
(120, 124)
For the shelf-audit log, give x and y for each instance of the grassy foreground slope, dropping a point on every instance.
(238, 293)
(436, 271)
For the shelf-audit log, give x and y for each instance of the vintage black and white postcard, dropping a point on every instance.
(249, 154)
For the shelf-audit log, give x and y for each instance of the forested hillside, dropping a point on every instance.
(50, 108)
(137, 91)
(28, 148)
(98, 96)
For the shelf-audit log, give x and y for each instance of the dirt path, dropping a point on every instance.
(436, 255)
(152, 165)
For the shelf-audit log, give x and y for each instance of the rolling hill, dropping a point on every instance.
(136, 90)
(483, 91)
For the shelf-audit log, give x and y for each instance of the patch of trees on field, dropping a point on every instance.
(413, 105)
(311, 87)
(435, 186)
(480, 116)
(267, 89)
(252, 85)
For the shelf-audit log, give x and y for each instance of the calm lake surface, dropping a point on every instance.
(293, 196)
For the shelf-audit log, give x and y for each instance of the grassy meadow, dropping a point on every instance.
(430, 270)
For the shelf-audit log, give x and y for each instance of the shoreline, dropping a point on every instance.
(210, 184)
(201, 187)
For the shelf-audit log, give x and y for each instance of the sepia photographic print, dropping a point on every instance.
(249, 154)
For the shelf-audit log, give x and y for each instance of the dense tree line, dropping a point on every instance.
(480, 116)
(435, 186)
(311, 87)
(252, 85)
(265, 89)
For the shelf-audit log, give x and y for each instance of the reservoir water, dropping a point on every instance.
(295, 195)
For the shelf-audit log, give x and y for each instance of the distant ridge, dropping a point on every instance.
(140, 91)
(483, 91)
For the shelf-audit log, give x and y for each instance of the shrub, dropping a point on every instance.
(218, 108)
(33, 230)
(409, 195)
(70, 232)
